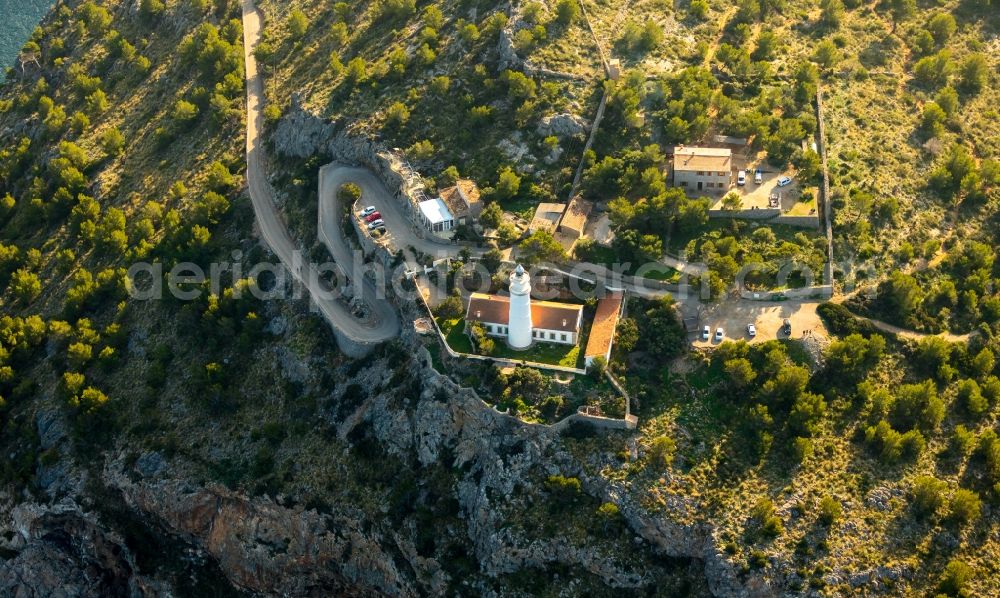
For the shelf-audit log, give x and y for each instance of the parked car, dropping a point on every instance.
(741, 178)
(367, 211)
(373, 217)
(376, 224)
(758, 176)
(751, 330)
(786, 327)
(706, 333)
(719, 334)
(784, 181)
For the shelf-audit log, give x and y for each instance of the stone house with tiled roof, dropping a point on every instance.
(697, 169)
(463, 201)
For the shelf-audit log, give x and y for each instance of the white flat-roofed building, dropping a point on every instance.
(436, 216)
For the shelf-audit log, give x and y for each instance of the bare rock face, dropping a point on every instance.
(264, 547)
(300, 134)
(563, 125)
(63, 552)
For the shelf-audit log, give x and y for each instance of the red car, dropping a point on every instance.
(373, 217)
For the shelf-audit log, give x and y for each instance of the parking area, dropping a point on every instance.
(758, 196)
(733, 315)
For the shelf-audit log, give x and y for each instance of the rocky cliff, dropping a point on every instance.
(459, 502)
(275, 546)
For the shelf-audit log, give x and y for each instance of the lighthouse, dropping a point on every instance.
(519, 319)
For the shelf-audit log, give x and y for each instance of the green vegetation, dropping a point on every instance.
(817, 464)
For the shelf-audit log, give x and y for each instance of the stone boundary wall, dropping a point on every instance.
(607, 423)
(603, 423)
(773, 214)
(823, 291)
(799, 221)
(764, 214)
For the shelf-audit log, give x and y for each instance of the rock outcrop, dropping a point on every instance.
(563, 125)
(264, 547)
(60, 551)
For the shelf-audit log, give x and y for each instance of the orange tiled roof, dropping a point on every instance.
(469, 190)
(461, 197)
(602, 333)
(495, 309)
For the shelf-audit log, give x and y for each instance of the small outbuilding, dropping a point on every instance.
(436, 216)
(602, 332)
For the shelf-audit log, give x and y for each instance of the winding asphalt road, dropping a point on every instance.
(400, 232)
(382, 323)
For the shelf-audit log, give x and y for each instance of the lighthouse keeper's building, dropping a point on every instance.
(550, 322)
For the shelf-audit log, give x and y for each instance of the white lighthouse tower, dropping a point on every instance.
(519, 320)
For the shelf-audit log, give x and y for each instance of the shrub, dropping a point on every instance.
(25, 285)
(917, 405)
(508, 184)
(963, 441)
(830, 510)
(802, 449)
(806, 413)
(941, 26)
(297, 24)
(451, 307)
(971, 398)
(698, 9)
(973, 73)
(440, 85)
(398, 9)
(991, 389)
(965, 507)
(184, 112)
(90, 399)
(78, 354)
(983, 363)
(769, 524)
(469, 33)
(357, 71)
(933, 71)
(151, 9)
(928, 496)
(609, 514)
(565, 490)
(112, 141)
(955, 577)
(97, 102)
(661, 451)
(892, 446)
(96, 18)
(551, 406)
(840, 320)
(597, 368)
(210, 208)
(832, 13)
(567, 11)
(219, 177)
